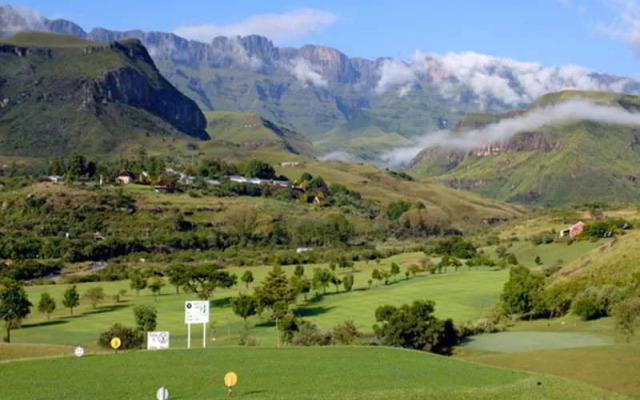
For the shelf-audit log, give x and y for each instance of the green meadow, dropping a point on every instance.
(462, 296)
(286, 373)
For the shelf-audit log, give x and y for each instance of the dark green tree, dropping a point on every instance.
(244, 306)
(204, 279)
(14, 305)
(137, 282)
(347, 282)
(146, 318)
(177, 274)
(522, 290)
(275, 293)
(247, 278)
(299, 271)
(414, 326)
(46, 305)
(395, 270)
(155, 285)
(71, 298)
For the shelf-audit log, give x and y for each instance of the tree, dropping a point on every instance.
(14, 305)
(244, 306)
(522, 290)
(336, 282)
(146, 318)
(260, 169)
(177, 274)
(137, 282)
(345, 333)
(46, 305)
(71, 298)
(155, 285)
(625, 314)
(321, 279)
(395, 270)
(375, 274)
(247, 278)
(348, 282)
(95, 295)
(204, 279)
(301, 285)
(414, 326)
(538, 260)
(299, 271)
(275, 293)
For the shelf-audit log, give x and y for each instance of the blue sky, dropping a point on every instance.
(602, 35)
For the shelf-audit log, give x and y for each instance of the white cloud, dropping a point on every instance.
(338, 156)
(574, 110)
(278, 27)
(394, 73)
(305, 72)
(19, 18)
(514, 83)
(626, 26)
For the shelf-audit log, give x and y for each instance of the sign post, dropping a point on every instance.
(157, 340)
(196, 312)
(230, 380)
(162, 394)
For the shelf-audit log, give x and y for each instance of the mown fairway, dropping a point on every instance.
(286, 373)
(462, 296)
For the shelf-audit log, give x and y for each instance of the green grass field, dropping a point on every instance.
(462, 296)
(286, 373)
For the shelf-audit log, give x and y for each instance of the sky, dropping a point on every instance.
(602, 35)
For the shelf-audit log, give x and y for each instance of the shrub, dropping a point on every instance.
(309, 334)
(588, 305)
(248, 341)
(346, 333)
(131, 338)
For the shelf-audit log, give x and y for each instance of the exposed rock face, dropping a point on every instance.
(116, 96)
(129, 86)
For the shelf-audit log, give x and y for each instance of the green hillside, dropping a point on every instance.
(287, 373)
(61, 93)
(564, 163)
(613, 263)
(249, 131)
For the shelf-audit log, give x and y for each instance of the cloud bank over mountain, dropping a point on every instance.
(499, 132)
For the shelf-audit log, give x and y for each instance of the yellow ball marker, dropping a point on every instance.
(230, 380)
(115, 343)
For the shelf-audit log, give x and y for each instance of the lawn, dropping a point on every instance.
(286, 373)
(611, 367)
(462, 296)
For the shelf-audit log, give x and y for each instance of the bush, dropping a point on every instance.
(131, 338)
(479, 327)
(249, 341)
(309, 334)
(346, 333)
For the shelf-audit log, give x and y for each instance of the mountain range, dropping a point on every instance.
(355, 105)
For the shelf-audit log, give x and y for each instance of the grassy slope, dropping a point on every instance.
(608, 264)
(461, 296)
(580, 168)
(293, 373)
(248, 130)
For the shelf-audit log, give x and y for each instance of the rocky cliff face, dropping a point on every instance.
(112, 90)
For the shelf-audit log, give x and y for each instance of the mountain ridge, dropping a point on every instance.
(318, 89)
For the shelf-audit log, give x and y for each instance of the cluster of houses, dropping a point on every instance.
(127, 178)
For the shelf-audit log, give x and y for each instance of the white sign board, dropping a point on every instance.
(79, 352)
(162, 394)
(196, 312)
(157, 340)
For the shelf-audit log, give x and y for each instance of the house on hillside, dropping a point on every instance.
(125, 178)
(573, 231)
